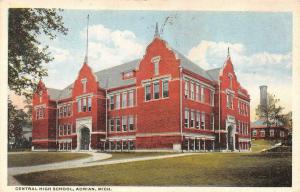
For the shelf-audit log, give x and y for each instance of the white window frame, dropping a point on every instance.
(165, 82)
(89, 103)
(202, 94)
(118, 98)
(124, 123)
(264, 133)
(197, 120)
(147, 88)
(112, 102)
(112, 125)
(156, 85)
(124, 100)
(186, 89)
(130, 122)
(192, 121)
(273, 132)
(202, 125)
(186, 118)
(192, 91)
(130, 99)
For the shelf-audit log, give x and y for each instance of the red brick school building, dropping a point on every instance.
(162, 101)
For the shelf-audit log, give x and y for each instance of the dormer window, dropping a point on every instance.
(155, 61)
(40, 96)
(84, 81)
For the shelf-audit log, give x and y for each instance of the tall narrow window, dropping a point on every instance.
(89, 103)
(212, 99)
(192, 94)
(197, 120)
(65, 129)
(124, 123)
(202, 94)
(155, 61)
(186, 118)
(131, 123)
(111, 102)
(69, 109)
(229, 101)
(203, 120)
(69, 129)
(230, 80)
(65, 110)
(165, 89)
(118, 124)
(124, 100)
(197, 93)
(192, 119)
(84, 104)
(84, 81)
(112, 125)
(130, 95)
(212, 121)
(118, 101)
(79, 104)
(60, 111)
(147, 92)
(186, 88)
(60, 130)
(156, 90)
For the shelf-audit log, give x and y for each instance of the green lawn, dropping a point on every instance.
(37, 158)
(212, 169)
(261, 144)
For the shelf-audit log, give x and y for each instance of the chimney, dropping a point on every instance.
(263, 95)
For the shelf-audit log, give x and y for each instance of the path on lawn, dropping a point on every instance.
(94, 160)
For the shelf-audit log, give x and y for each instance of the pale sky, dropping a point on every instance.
(260, 45)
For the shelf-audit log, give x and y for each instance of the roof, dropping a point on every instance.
(189, 65)
(214, 73)
(112, 77)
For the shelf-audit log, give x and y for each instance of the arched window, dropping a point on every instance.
(230, 80)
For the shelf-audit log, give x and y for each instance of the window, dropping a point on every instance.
(262, 133)
(84, 81)
(118, 124)
(130, 122)
(124, 100)
(79, 104)
(69, 129)
(202, 94)
(124, 123)
(238, 126)
(197, 120)
(281, 133)
(60, 130)
(118, 101)
(192, 96)
(186, 89)
(203, 121)
(254, 133)
(156, 90)
(230, 81)
(65, 129)
(130, 99)
(186, 118)
(89, 103)
(192, 119)
(60, 111)
(271, 132)
(229, 101)
(165, 89)
(65, 111)
(212, 121)
(84, 104)
(197, 93)
(155, 61)
(111, 102)
(147, 92)
(112, 124)
(69, 109)
(212, 98)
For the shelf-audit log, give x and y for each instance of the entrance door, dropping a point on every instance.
(230, 138)
(85, 139)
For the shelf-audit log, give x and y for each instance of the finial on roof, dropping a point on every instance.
(156, 30)
(87, 40)
(228, 53)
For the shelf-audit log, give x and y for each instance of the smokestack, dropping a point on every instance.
(263, 95)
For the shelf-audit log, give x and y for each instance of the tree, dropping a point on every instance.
(26, 54)
(17, 119)
(271, 113)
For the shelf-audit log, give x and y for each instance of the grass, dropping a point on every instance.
(38, 158)
(212, 169)
(261, 144)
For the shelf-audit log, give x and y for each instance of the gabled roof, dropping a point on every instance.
(113, 77)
